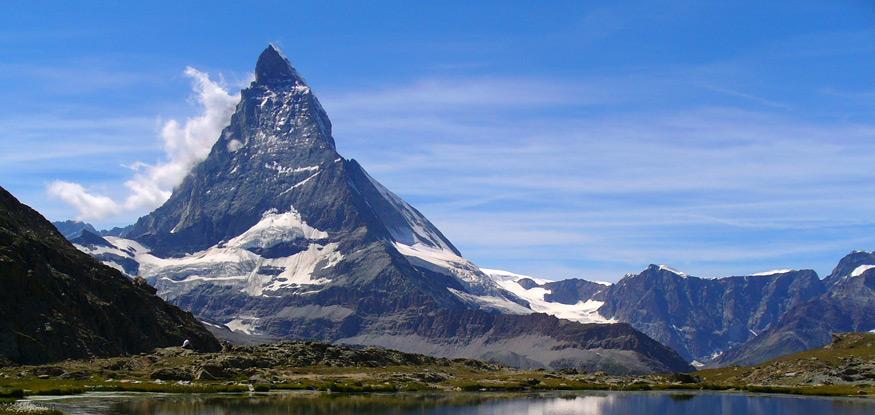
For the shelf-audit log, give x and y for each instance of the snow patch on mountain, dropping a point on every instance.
(447, 262)
(861, 269)
(298, 269)
(244, 325)
(501, 275)
(772, 272)
(583, 311)
(491, 302)
(275, 228)
(299, 184)
(672, 270)
(280, 169)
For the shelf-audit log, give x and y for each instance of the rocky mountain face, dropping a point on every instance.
(848, 306)
(847, 265)
(275, 234)
(573, 291)
(59, 303)
(73, 228)
(701, 318)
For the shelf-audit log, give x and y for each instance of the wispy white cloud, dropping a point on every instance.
(461, 94)
(744, 95)
(185, 144)
(90, 206)
(566, 186)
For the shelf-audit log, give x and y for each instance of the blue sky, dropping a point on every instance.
(558, 139)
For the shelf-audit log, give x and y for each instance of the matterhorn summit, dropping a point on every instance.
(276, 234)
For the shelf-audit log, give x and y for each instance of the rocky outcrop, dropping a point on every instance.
(58, 303)
(573, 291)
(73, 228)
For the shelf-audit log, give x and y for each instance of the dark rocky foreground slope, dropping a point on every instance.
(275, 234)
(58, 303)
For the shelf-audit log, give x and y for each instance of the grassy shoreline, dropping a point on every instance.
(845, 368)
(11, 400)
(12, 391)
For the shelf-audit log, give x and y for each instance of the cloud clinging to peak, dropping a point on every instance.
(185, 145)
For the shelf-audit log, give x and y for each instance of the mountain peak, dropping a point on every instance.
(273, 66)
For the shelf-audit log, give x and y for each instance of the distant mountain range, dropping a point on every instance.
(275, 234)
(719, 321)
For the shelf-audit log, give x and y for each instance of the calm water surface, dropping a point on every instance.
(583, 403)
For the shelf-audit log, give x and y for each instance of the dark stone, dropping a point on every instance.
(142, 284)
(171, 374)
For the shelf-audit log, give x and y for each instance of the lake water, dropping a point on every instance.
(579, 403)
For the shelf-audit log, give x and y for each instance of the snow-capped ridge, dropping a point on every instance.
(672, 270)
(498, 274)
(861, 269)
(773, 272)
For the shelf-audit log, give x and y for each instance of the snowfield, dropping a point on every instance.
(583, 311)
(234, 263)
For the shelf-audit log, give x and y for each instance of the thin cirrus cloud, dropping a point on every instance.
(557, 186)
(184, 146)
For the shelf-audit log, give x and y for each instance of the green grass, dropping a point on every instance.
(170, 388)
(67, 387)
(851, 346)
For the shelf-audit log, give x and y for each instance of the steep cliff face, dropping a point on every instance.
(848, 306)
(701, 318)
(57, 302)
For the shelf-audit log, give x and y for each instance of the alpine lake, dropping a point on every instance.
(556, 403)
